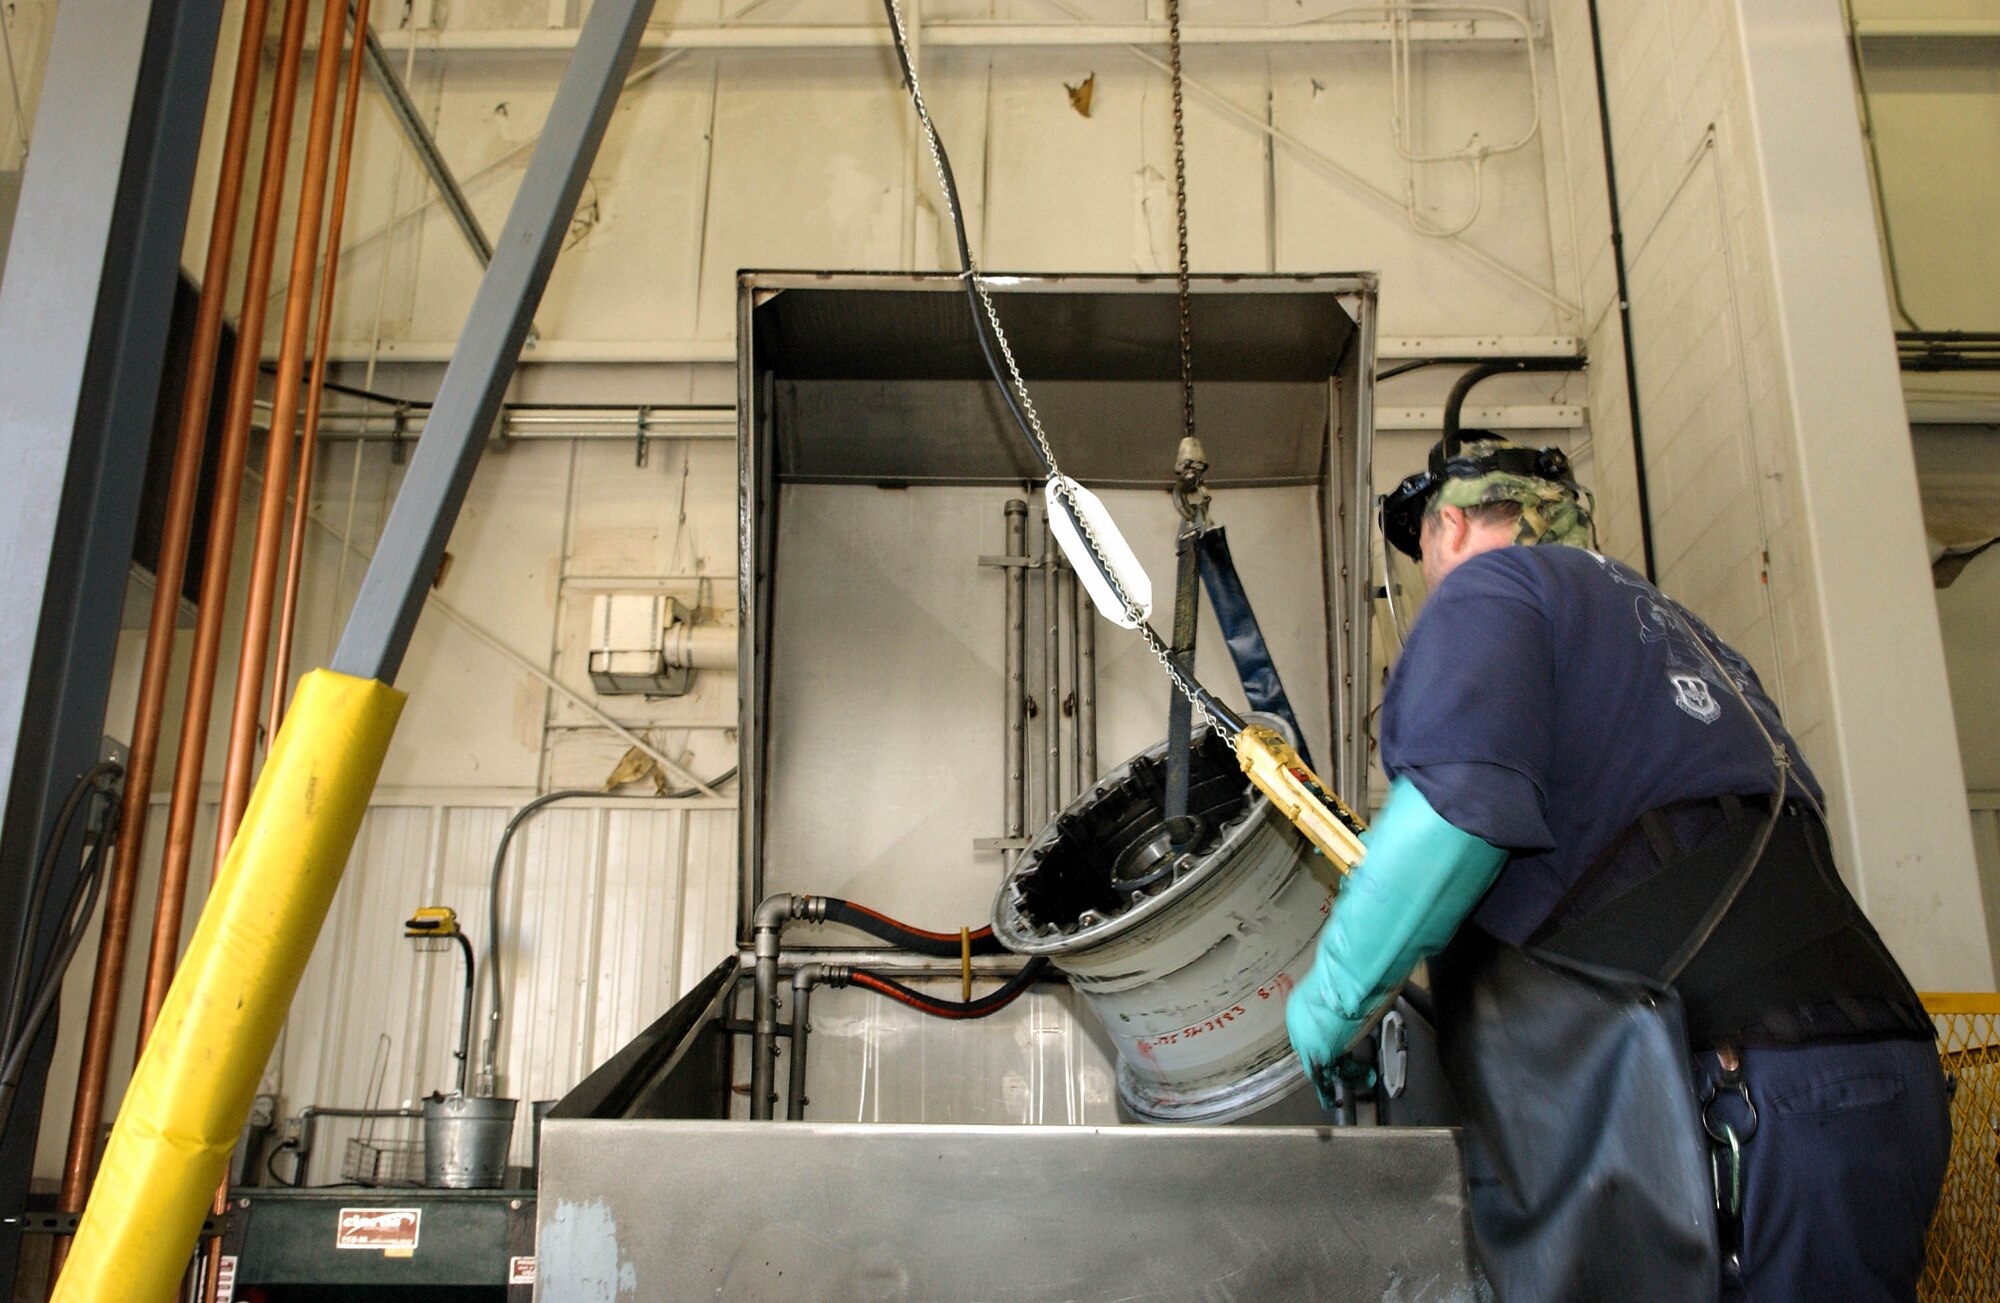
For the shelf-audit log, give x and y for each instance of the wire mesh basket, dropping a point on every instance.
(376, 1160)
(1964, 1250)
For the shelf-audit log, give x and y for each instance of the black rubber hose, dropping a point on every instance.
(77, 923)
(941, 945)
(1225, 718)
(1455, 404)
(985, 1005)
(45, 868)
(464, 1052)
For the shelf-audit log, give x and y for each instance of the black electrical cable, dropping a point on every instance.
(298, 1166)
(82, 903)
(1418, 364)
(1624, 297)
(1225, 718)
(942, 945)
(991, 1003)
(45, 867)
(981, 328)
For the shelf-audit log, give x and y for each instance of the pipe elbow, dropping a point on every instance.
(776, 911)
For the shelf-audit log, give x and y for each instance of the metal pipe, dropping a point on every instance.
(170, 570)
(1066, 587)
(1086, 689)
(365, 427)
(1051, 673)
(772, 915)
(885, 960)
(309, 1127)
(700, 646)
(976, 34)
(241, 757)
(185, 801)
(804, 978)
(489, 1050)
(1015, 652)
(288, 605)
(260, 604)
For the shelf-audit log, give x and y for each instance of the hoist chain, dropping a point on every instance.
(1190, 463)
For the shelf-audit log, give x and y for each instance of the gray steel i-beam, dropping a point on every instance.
(468, 401)
(83, 334)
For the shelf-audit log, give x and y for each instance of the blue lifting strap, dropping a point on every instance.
(1261, 686)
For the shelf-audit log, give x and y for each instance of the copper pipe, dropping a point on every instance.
(247, 716)
(242, 757)
(186, 800)
(170, 571)
(288, 608)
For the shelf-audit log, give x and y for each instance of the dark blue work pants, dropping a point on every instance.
(1841, 1170)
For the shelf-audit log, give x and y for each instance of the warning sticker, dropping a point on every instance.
(521, 1271)
(389, 1230)
(225, 1279)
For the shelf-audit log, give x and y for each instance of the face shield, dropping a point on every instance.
(1474, 455)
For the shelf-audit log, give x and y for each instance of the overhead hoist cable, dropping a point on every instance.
(1000, 360)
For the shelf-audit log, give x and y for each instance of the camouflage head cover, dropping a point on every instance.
(1552, 510)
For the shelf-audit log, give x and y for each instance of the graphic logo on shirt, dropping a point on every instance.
(1691, 694)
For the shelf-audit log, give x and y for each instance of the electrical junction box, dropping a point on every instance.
(630, 637)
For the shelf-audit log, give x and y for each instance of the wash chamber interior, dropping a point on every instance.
(876, 467)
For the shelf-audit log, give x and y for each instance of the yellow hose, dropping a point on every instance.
(194, 1085)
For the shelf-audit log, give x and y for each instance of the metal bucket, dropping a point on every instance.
(1186, 959)
(466, 1142)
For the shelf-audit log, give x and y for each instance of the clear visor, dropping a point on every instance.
(1404, 590)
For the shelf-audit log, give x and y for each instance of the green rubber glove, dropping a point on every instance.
(1419, 880)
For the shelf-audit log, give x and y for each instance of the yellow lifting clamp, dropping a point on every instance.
(1275, 767)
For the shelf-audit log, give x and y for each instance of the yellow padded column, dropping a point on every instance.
(193, 1087)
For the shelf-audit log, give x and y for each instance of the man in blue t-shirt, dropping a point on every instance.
(1582, 768)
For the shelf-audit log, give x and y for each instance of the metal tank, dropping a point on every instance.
(1185, 956)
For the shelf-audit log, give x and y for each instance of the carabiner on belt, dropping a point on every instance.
(1726, 1154)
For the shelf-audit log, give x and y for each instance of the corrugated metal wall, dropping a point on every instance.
(608, 912)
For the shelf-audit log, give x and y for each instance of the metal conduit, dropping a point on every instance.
(1015, 651)
(185, 802)
(811, 973)
(1085, 644)
(1051, 672)
(170, 572)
